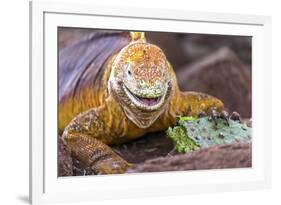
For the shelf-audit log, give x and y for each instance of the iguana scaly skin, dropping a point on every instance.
(137, 93)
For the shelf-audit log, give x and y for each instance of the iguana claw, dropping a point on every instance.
(235, 116)
(214, 114)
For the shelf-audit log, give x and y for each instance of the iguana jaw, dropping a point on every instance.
(145, 103)
(143, 116)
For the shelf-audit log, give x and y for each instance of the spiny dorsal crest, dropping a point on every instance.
(138, 36)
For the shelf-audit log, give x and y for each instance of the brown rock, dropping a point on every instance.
(223, 75)
(65, 160)
(197, 46)
(235, 155)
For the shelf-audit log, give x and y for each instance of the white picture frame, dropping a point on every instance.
(46, 187)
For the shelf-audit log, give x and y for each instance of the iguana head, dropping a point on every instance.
(141, 82)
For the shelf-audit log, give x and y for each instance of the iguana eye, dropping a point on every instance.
(129, 72)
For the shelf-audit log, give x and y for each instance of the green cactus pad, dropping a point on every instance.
(194, 133)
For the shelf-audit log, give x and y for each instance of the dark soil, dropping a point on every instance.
(148, 147)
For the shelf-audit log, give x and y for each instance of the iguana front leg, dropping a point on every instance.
(195, 103)
(86, 136)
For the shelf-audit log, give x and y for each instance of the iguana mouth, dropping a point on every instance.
(144, 102)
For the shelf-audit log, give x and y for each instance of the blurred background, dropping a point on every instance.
(219, 65)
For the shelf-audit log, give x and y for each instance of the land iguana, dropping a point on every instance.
(115, 87)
